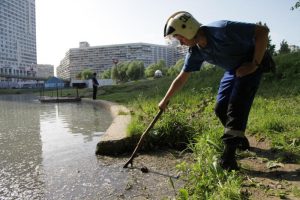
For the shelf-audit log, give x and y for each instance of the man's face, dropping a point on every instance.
(184, 41)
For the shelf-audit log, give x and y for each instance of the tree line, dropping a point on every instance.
(135, 70)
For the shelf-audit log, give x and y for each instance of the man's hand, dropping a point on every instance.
(245, 69)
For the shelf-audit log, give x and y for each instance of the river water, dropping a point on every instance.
(47, 152)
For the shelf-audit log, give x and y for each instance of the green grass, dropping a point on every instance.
(275, 115)
(18, 91)
(190, 122)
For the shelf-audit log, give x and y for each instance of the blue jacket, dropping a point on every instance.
(229, 44)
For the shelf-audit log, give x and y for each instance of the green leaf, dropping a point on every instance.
(183, 194)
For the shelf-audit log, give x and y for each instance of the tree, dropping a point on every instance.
(106, 74)
(118, 72)
(296, 6)
(174, 70)
(122, 72)
(284, 47)
(122, 68)
(271, 47)
(135, 70)
(150, 70)
(160, 65)
(86, 74)
(78, 76)
(142, 69)
(115, 73)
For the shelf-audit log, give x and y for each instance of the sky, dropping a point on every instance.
(62, 24)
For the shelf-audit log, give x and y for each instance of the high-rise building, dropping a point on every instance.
(44, 71)
(17, 37)
(100, 58)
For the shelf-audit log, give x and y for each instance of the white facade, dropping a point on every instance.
(17, 37)
(100, 58)
(45, 71)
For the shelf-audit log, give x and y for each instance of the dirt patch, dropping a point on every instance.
(159, 182)
(265, 177)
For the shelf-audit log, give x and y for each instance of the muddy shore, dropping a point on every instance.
(132, 183)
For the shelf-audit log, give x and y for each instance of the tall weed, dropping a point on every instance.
(190, 120)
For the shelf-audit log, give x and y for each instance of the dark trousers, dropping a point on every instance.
(95, 92)
(234, 101)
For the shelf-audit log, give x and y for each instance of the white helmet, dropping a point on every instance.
(182, 23)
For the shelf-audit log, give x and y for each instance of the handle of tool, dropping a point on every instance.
(142, 137)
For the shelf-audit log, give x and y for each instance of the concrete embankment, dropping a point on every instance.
(115, 140)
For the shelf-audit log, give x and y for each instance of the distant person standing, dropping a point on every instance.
(95, 85)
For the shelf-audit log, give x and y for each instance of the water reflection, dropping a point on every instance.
(20, 148)
(36, 138)
(76, 118)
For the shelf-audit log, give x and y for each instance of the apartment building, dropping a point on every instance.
(100, 58)
(45, 70)
(17, 37)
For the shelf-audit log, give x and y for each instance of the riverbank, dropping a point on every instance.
(274, 118)
(160, 182)
(273, 128)
(115, 140)
(54, 157)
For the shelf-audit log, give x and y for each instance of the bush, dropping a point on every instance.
(288, 65)
(190, 119)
